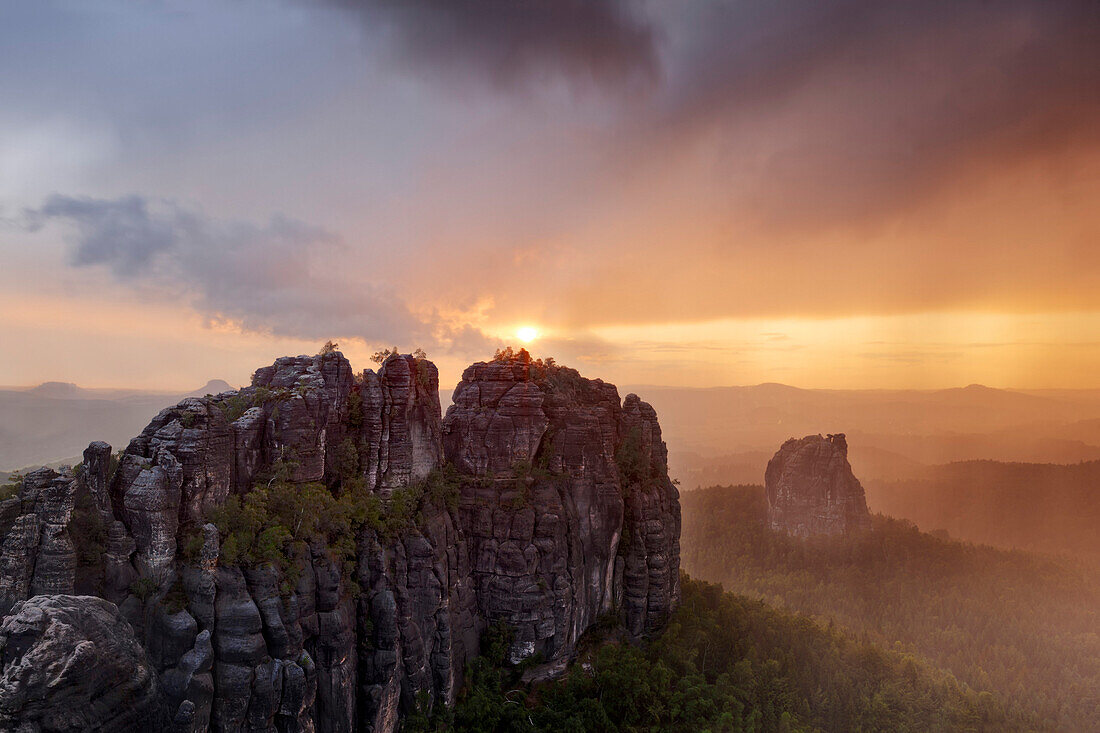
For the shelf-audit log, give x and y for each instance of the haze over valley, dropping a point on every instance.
(533, 366)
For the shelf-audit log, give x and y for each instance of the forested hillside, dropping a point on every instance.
(1023, 627)
(724, 663)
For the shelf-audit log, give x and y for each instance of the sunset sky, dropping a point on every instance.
(845, 194)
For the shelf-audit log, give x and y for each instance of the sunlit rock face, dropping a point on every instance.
(811, 489)
(555, 507)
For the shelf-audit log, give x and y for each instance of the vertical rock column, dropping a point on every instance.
(811, 488)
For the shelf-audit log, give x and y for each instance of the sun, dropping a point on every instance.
(527, 334)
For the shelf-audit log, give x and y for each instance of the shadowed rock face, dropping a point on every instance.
(71, 663)
(563, 512)
(811, 489)
(557, 533)
(36, 554)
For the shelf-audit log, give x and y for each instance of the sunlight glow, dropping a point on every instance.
(527, 334)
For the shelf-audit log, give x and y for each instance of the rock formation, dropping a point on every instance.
(71, 663)
(320, 549)
(811, 489)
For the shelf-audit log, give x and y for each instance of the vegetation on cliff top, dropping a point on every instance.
(269, 524)
(11, 487)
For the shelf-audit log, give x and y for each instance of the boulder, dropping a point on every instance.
(72, 663)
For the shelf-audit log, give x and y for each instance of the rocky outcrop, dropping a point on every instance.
(401, 419)
(541, 502)
(650, 567)
(71, 663)
(811, 489)
(37, 556)
(560, 529)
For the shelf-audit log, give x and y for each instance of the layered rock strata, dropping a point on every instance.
(71, 663)
(811, 489)
(541, 502)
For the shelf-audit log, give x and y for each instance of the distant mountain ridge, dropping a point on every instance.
(893, 433)
(63, 390)
(1034, 506)
(54, 421)
(213, 387)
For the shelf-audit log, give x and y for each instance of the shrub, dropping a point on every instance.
(442, 487)
(191, 547)
(144, 589)
(88, 531)
(423, 372)
(235, 406)
(260, 527)
(632, 463)
(11, 489)
(113, 465)
(380, 357)
(525, 474)
(355, 411)
(272, 523)
(347, 460)
(510, 354)
(175, 600)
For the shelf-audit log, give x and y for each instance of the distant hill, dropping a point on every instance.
(724, 435)
(1023, 627)
(54, 422)
(1045, 507)
(213, 387)
(720, 435)
(740, 418)
(58, 390)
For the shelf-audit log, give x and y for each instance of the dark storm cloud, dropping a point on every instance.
(510, 43)
(863, 105)
(283, 277)
(814, 112)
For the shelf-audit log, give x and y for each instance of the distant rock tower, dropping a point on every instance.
(811, 489)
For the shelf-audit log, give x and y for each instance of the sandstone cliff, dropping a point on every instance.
(811, 489)
(321, 551)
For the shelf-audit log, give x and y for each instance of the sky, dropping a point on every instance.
(852, 194)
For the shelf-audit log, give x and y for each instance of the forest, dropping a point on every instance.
(1022, 627)
(724, 663)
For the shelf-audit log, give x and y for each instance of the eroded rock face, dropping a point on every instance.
(811, 489)
(71, 663)
(650, 565)
(557, 533)
(557, 508)
(37, 554)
